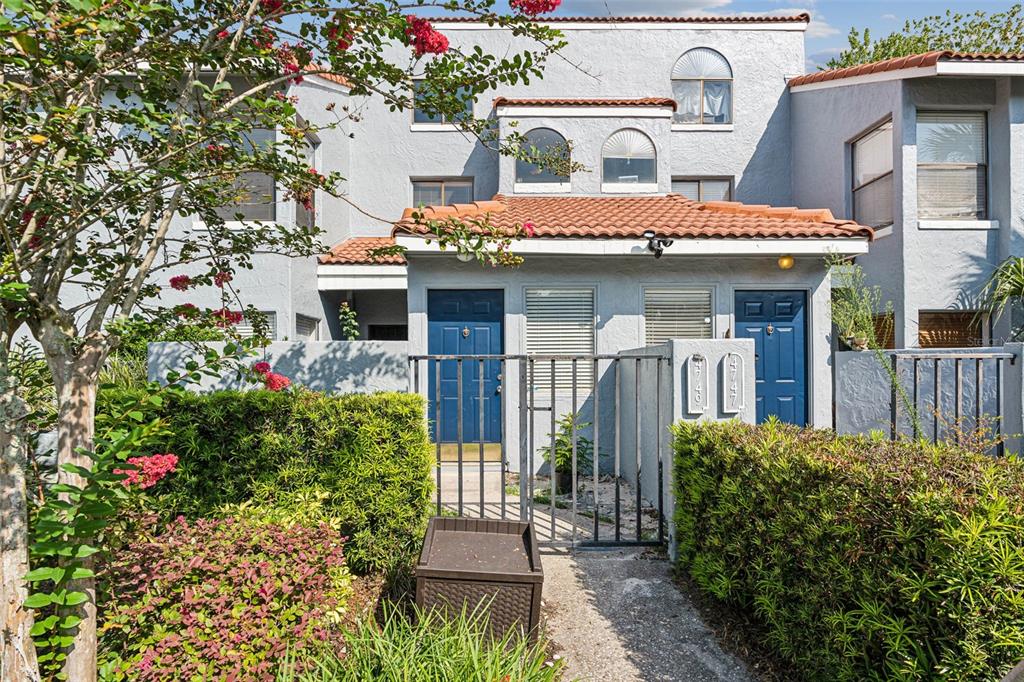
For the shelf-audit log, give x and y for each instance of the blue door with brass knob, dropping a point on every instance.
(776, 321)
(465, 323)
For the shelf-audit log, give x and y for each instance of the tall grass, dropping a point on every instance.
(398, 649)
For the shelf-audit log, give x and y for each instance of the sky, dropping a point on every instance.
(831, 20)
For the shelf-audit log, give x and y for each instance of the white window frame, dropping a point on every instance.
(701, 179)
(585, 380)
(316, 326)
(682, 288)
(541, 187)
(443, 125)
(945, 222)
(629, 187)
(443, 180)
(701, 125)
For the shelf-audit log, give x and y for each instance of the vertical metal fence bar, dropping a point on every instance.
(501, 403)
(639, 462)
(524, 443)
(552, 454)
(460, 434)
(936, 400)
(618, 445)
(533, 430)
(437, 427)
(958, 406)
(979, 382)
(894, 381)
(480, 376)
(597, 445)
(574, 420)
(1000, 448)
(661, 467)
(916, 415)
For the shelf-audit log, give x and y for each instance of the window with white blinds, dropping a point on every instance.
(307, 328)
(872, 177)
(560, 322)
(952, 170)
(246, 328)
(671, 313)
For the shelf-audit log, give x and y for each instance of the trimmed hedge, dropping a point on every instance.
(360, 462)
(864, 559)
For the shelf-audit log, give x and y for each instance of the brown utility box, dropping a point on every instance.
(466, 562)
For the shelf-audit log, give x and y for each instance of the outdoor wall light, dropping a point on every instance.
(656, 244)
(785, 262)
(465, 256)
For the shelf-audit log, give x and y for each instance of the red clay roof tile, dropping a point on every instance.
(586, 102)
(356, 251)
(669, 215)
(913, 61)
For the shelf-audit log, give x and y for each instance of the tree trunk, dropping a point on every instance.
(17, 652)
(76, 408)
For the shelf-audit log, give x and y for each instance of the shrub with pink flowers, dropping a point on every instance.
(147, 471)
(534, 7)
(423, 37)
(221, 599)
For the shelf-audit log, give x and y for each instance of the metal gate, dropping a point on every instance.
(603, 417)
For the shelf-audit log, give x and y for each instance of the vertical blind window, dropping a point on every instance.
(704, 189)
(702, 87)
(560, 322)
(676, 314)
(873, 178)
(247, 327)
(952, 170)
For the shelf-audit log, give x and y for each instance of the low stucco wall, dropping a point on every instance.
(329, 366)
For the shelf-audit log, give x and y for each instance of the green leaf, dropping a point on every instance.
(45, 573)
(38, 600)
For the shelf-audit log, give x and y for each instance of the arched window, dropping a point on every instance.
(549, 147)
(629, 158)
(702, 88)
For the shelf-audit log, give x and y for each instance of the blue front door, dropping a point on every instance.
(466, 323)
(776, 321)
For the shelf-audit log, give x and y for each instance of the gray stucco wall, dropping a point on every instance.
(329, 366)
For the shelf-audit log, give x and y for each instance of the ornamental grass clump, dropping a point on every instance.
(221, 599)
(864, 559)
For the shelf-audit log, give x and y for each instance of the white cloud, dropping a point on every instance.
(890, 17)
(817, 60)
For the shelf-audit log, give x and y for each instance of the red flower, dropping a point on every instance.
(423, 37)
(222, 35)
(276, 382)
(225, 317)
(222, 278)
(261, 368)
(342, 39)
(271, 6)
(529, 228)
(181, 282)
(534, 7)
(186, 310)
(148, 470)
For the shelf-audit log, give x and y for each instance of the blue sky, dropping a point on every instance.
(831, 19)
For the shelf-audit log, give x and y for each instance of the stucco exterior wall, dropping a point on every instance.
(600, 60)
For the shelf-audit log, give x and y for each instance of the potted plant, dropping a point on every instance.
(562, 470)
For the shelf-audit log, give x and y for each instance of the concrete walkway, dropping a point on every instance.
(616, 616)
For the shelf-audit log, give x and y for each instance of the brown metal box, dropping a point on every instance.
(466, 562)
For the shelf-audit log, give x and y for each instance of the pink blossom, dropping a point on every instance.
(424, 39)
(276, 382)
(226, 318)
(272, 6)
(222, 278)
(261, 368)
(342, 39)
(529, 228)
(181, 282)
(534, 7)
(222, 35)
(148, 470)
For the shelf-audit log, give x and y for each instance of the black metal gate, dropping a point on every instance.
(581, 447)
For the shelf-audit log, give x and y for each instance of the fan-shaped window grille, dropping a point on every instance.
(702, 87)
(550, 158)
(629, 157)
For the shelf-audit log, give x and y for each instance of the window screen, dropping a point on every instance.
(952, 171)
(560, 322)
(442, 192)
(256, 192)
(549, 145)
(676, 314)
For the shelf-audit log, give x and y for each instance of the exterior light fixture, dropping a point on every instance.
(656, 244)
(464, 256)
(785, 262)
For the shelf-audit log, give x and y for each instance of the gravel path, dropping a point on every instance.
(617, 616)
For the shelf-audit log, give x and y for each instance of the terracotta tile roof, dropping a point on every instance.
(356, 251)
(629, 217)
(925, 59)
(336, 78)
(586, 102)
(803, 17)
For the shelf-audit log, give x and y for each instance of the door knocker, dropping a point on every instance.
(769, 329)
(465, 332)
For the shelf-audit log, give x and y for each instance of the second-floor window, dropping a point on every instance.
(952, 165)
(442, 191)
(703, 189)
(872, 177)
(255, 193)
(628, 158)
(305, 207)
(702, 88)
(549, 147)
(421, 115)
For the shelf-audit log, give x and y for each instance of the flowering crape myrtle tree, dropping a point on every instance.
(116, 118)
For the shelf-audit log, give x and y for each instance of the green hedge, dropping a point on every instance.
(864, 559)
(361, 462)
